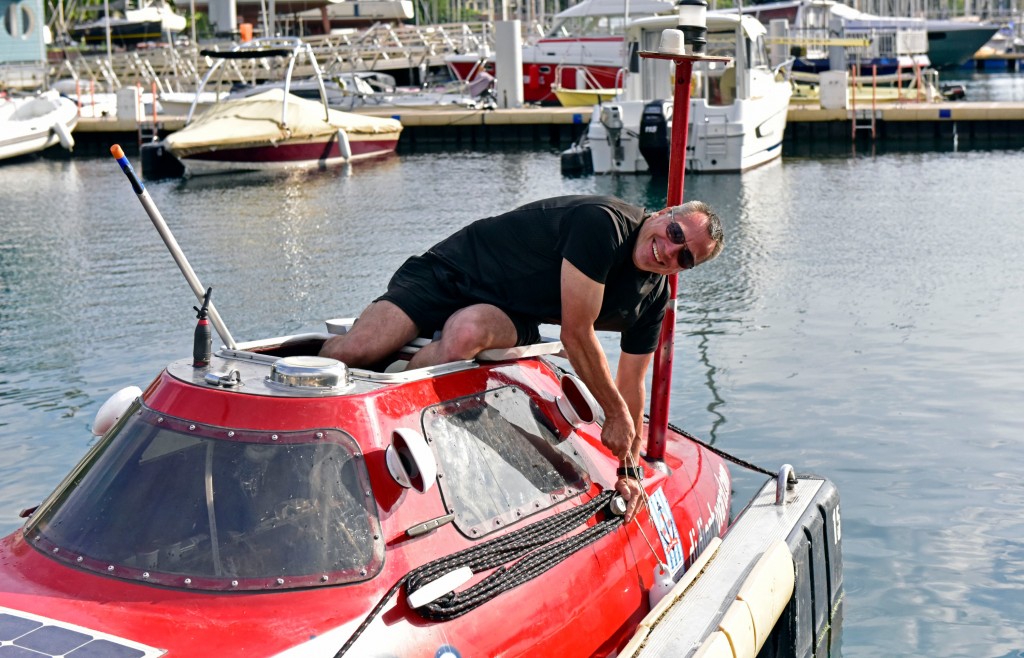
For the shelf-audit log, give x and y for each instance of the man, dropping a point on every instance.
(584, 262)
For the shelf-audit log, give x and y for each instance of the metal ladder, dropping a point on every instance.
(863, 119)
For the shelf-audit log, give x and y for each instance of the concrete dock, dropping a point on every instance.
(557, 127)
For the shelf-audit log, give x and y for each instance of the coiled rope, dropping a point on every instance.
(532, 546)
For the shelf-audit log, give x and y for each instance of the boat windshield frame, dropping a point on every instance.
(186, 505)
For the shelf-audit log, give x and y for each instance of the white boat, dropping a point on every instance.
(276, 129)
(34, 123)
(827, 35)
(737, 110)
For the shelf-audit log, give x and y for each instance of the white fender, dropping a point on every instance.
(344, 146)
(64, 135)
(114, 408)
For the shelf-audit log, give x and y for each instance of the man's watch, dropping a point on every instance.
(634, 472)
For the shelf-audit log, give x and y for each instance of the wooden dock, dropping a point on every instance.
(558, 127)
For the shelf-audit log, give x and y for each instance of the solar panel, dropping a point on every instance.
(24, 635)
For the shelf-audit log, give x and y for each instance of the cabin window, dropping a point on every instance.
(500, 459)
(182, 504)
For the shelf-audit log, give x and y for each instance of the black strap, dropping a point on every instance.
(634, 472)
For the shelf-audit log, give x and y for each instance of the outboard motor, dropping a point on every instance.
(656, 135)
(611, 119)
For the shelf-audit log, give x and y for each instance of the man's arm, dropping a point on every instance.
(629, 379)
(623, 411)
(581, 304)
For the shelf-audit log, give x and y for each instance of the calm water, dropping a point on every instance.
(865, 322)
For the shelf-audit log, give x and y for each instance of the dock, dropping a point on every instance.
(558, 127)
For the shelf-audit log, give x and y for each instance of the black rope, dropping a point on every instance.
(531, 545)
(722, 453)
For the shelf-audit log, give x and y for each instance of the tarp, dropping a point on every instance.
(258, 119)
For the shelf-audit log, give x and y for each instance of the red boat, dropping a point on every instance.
(584, 49)
(267, 501)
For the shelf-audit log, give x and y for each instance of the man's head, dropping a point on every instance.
(678, 238)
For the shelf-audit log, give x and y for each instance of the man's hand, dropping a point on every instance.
(617, 434)
(632, 492)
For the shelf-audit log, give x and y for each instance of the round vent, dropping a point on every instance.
(309, 372)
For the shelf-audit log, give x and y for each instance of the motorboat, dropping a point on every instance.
(275, 129)
(737, 110)
(826, 35)
(29, 124)
(155, 21)
(585, 41)
(952, 42)
(260, 500)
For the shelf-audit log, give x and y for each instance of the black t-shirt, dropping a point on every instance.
(514, 261)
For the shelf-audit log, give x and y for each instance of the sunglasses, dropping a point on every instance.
(676, 236)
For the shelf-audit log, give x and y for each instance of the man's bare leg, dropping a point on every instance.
(468, 332)
(382, 329)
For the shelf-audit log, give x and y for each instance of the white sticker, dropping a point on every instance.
(668, 533)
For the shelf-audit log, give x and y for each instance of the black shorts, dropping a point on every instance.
(429, 291)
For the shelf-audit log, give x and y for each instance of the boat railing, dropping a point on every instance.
(267, 52)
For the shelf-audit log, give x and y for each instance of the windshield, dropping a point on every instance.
(169, 501)
(501, 459)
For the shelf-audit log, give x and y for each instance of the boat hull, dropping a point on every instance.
(32, 125)
(122, 34)
(588, 604)
(296, 154)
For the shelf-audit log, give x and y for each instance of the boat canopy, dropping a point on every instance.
(258, 119)
(179, 503)
(597, 18)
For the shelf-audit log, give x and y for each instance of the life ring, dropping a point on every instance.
(64, 135)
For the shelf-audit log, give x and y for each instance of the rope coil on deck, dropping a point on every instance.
(504, 549)
(531, 545)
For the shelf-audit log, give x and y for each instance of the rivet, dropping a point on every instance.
(280, 581)
(160, 419)
(319, 435)
(273, 437)
(368, 494)
(55, 549)
(231, 433)
(145, 574)
(474, 531)
(234, 583)
(497, 521)
(191, 428)
(79, 558)
(376, 537)
(362, 572)
(188, 581)
(110, 567)
(323, 579)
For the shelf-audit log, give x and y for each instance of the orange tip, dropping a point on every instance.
(116, 151)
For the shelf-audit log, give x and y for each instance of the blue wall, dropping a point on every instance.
(21, 31)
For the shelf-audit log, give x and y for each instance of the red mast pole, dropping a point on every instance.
(661, 384)
(662, 380)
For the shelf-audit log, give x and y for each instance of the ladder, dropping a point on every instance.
(863, 119)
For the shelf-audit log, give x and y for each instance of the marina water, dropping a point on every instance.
(865, 322)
